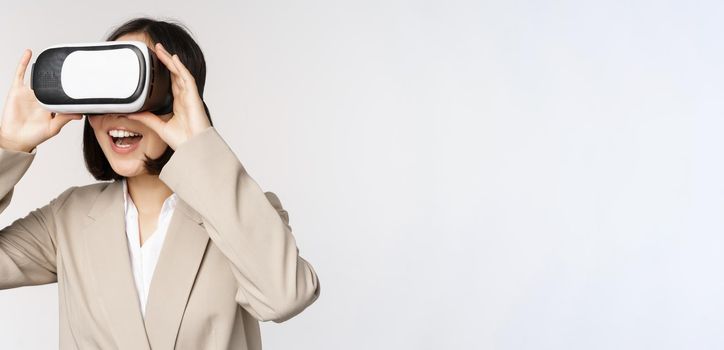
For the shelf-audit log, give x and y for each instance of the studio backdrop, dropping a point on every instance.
(461, 174)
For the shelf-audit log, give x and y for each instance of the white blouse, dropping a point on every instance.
(144, 258)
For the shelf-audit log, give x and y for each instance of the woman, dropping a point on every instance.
(181, 211)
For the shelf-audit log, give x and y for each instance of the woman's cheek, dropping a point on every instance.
(155, 147)
(93, 120)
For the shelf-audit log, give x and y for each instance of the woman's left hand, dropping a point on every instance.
(189, 117)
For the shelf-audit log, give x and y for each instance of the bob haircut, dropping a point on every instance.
(176, 38)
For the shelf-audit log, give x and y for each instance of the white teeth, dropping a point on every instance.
(122, 133)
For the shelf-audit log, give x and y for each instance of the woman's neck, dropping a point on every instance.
(148, 192)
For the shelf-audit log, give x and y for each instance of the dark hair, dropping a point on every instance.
(176, 38)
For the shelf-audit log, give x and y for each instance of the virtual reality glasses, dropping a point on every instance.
(101, 78)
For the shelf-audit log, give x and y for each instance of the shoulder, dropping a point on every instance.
(91, 190)
(78, 197)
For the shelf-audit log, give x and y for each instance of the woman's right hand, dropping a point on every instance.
(25, 123)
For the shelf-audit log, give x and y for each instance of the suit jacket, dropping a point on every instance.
(228, 262)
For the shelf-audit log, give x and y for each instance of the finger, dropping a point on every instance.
(71, 116)
(176, 76)
(22, 67)
(165, 58)
(57, 122)
(162, 48)
(149, 119)
(189, 81)
(176, 80)
(188, 77)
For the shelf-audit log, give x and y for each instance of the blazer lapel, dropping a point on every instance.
(109, 261)
(174, 276)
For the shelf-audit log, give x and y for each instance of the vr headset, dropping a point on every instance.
(100, 78)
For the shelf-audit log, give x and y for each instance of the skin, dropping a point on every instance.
(25, 125)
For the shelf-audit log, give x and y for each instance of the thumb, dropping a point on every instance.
(61, 119)
(150, 120)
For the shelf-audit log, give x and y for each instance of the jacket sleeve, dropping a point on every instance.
(250, 227)
(27, 245)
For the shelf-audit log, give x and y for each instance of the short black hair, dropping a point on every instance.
(176, 39)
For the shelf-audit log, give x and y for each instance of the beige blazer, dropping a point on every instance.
(229, 259)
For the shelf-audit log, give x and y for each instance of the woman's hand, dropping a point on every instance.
(189, 117)
(25, 123)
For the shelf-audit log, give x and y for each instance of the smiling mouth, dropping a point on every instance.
(125, 141)
(123, 138)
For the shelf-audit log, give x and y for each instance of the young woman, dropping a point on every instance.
(182, 249)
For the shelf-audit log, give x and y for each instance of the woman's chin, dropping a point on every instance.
(128, 170)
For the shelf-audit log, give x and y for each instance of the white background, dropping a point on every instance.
(462, 175)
